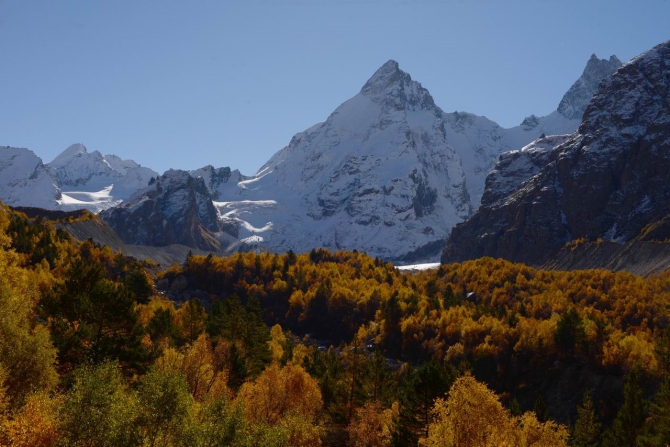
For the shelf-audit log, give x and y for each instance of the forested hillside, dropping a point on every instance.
(321, 349)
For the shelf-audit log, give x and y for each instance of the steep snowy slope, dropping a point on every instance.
(25, 181)
(379, 175)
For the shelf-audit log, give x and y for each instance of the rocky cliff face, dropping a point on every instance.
(220, 182)
(175, 209)
(606, 180)
(479, 141)
(516, 167)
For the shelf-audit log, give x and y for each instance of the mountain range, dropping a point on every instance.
(75, 179)
(388, 172)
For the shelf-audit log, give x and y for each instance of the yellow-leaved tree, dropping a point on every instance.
(35, 424)
(198, 364)
(26, 351)
(288, 398)
(472, 416)
(372, 426)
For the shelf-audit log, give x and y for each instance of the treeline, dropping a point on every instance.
(318, 348)
(486, 309)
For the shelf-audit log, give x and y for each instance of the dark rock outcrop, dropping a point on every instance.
(175, 209)
(516, 167)
(608, 180)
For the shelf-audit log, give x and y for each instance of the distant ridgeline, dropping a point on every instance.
(388, 172)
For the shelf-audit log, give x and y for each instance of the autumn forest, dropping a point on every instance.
(321, 348)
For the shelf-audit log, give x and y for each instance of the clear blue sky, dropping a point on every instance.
(182, 84)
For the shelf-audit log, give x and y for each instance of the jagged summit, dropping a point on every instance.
(530, 122)
(386, 76)
(613, 59)
(574, 102)
(68, 154)
(379, 175)
(395, 90)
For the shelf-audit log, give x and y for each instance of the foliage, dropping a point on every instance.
(35, 424)
(372, 426)
(472, 416)
(98, 411)
(656, 430)
(26, 352)
(586, 432)
(358, 351)
(93, 318)
(631, 417)
(281, 392)
(165, 406)
(610, 320)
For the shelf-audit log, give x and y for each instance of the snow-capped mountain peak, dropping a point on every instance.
(386, 76)
(24, 180)
(395, 89)
(68, 154)
(95, 181)
(378, 175)
(574, 102)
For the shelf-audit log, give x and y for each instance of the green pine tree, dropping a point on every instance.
(656, 430)
(631, 417)
(540, 409)
(586, 432)
(162, 326)
(662, 350)
(514, 407)
(569, 333)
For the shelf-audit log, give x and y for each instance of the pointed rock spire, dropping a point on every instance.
(574, 102)
(385, 77)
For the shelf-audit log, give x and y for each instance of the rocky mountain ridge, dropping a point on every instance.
(606, 181)
(575, 101)
(175, 208)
